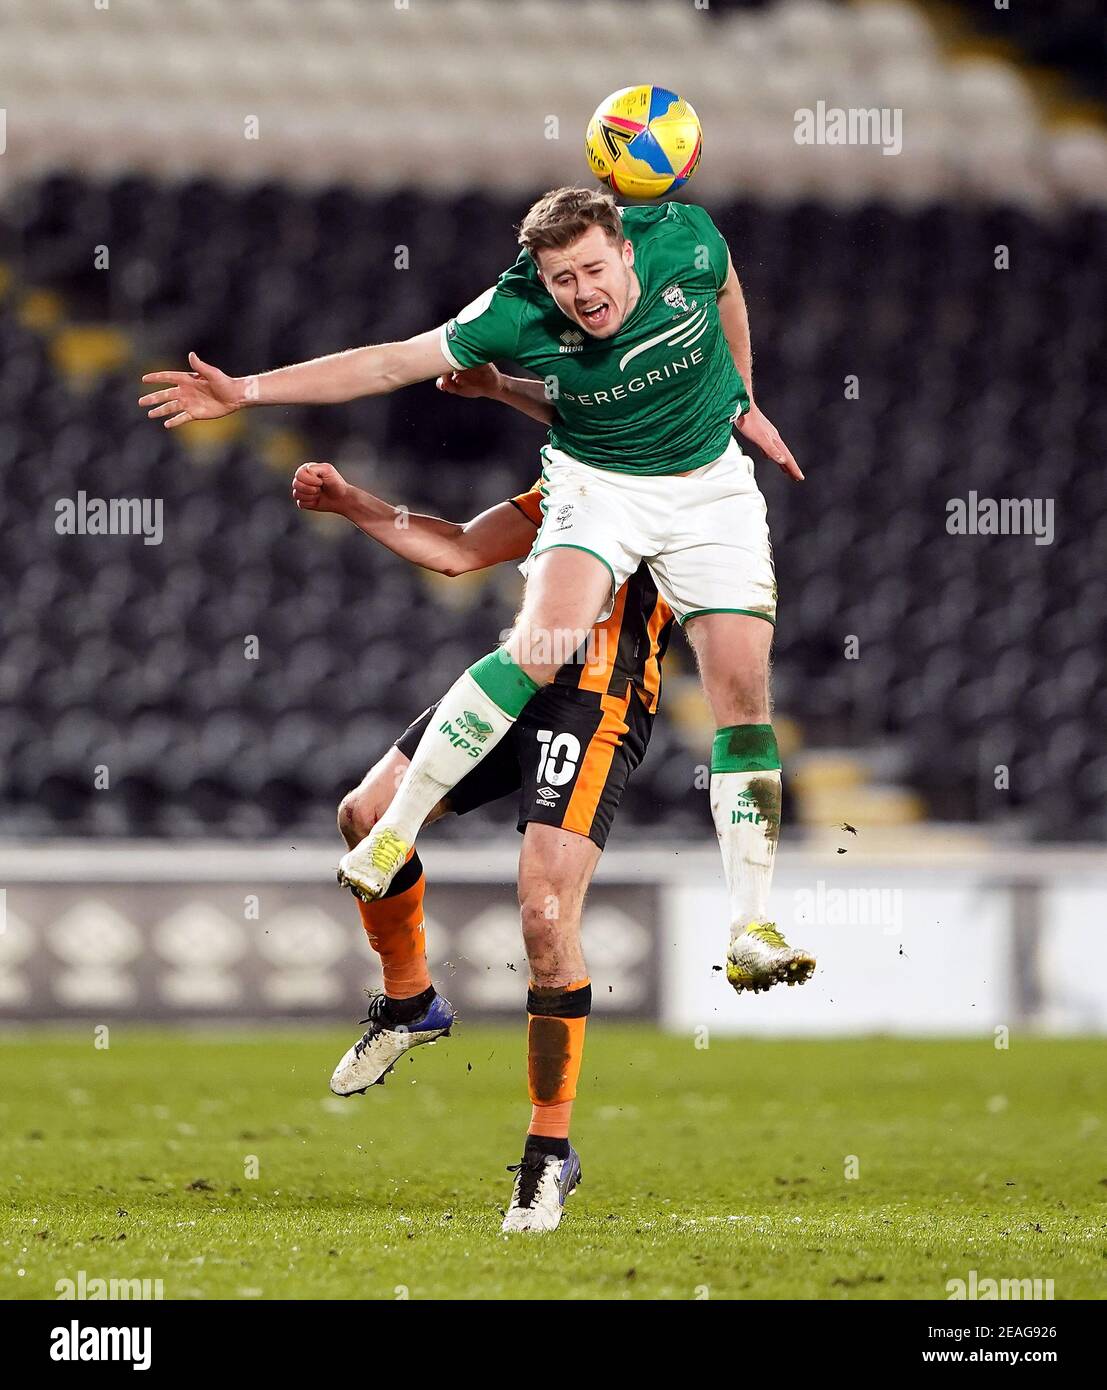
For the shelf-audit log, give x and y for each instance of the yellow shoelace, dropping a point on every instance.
(769, 934)
(389, 852)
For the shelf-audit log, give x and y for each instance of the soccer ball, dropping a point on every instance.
(644, 141)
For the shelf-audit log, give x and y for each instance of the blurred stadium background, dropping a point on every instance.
(269, 180)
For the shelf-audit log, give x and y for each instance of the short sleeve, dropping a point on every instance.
(709, 236)
(485, 330)
(530, 503)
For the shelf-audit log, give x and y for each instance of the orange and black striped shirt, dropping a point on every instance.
(627, 648)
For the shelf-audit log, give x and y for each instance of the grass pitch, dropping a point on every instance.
(717, 1173)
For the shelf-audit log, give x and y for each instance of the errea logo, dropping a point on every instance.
(473, 724)
(572, 340)
(748, 809)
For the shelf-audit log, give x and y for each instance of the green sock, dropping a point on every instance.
(745, 806)
(473, 715)
(503, 682)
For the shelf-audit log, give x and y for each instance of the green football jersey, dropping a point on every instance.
(657, 397)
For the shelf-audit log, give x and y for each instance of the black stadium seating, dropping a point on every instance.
(974, 650)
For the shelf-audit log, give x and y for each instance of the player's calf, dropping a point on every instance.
(469, 721)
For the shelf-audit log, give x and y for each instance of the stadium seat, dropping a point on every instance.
(133, 655)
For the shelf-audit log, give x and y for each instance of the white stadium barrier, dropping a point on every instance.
(940, 942)
(497, 93)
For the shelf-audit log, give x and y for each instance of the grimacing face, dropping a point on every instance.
(593, 281)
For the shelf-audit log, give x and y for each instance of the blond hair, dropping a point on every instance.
(559, 217)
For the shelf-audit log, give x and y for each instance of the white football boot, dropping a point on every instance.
(369, 868)
(542, 1184)
(382, 1045)
(759, 958)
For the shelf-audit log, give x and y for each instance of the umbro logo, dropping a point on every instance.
(548, 794)
(572, 341)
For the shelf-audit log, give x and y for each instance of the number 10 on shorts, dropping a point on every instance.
(558, 758)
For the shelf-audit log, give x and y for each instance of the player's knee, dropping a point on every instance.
(531, 656)
(543, 921)
(533, 918)
(540, 647)
(357, 814)
(741, 701)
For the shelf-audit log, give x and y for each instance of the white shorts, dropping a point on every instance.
(703, 534)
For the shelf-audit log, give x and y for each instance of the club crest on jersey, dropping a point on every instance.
(674, 298)
(572, 341)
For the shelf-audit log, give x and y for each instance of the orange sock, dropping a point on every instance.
(555, 1049)
(394, 926)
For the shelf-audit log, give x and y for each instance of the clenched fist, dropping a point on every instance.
(320, 487)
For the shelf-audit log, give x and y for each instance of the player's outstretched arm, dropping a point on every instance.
(753, 424)
(206, 393)
(448, 547)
